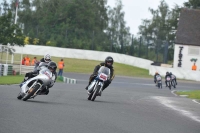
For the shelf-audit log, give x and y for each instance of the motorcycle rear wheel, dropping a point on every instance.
(31, 92)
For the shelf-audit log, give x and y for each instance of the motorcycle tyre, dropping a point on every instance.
(90, 96)
(26, 97)
(95, 92)
(173, 84)
(159, 85)
(19, 96)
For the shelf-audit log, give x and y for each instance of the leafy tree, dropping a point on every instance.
(10, 33)
(192, 4)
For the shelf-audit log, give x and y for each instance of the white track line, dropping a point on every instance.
(173, 92)
(195, 101)
(169, 103)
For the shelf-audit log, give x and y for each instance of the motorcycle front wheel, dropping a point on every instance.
(31, 92)
(95, 92)
(19, 96)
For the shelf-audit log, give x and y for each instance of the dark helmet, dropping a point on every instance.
(52, 65)
(170, 73)
(109, 60)
(167, 73)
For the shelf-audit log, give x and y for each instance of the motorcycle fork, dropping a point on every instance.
(35, 94)
(31, 88)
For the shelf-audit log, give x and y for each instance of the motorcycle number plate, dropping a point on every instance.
(102, 76)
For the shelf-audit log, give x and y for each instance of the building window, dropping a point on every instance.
(193, 51)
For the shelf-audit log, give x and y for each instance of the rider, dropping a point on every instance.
(172, 75)
(167, 75)
(46, 59)
(108, 63)
(156, 74)
(52, 67)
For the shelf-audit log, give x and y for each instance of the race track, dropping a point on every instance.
(128, 105)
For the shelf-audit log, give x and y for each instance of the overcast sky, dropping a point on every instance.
(136, 10)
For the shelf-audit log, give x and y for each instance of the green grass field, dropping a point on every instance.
(17, 79)
(191, 94)
(85, 66)
(76, 66)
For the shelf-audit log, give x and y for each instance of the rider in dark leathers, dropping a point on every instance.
(174, 77)
(108, 63)
(167, 75)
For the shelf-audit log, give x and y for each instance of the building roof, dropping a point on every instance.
(188, 32)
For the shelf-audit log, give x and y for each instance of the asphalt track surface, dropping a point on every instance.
(128, 105)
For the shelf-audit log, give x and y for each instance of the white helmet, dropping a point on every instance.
(47, 58)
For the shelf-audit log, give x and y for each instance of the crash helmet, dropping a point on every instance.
(52, 66)
(167, 73)
(156, 73)
(109, 61)
(47, 58)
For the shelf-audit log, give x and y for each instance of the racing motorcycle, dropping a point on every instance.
(173, 83)
(159, 81)
(96, 86)
(168, 82)
(36, 85)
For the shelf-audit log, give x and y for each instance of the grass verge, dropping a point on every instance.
(7, 80)
(87, 66)
(190, 94)
(76, 66)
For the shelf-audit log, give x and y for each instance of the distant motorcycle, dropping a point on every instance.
(96, 86)
(173, 83)
(36, 85)
(168, 82)
(159, 81)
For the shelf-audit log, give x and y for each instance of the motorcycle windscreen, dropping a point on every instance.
(47, 72)
(104, 70)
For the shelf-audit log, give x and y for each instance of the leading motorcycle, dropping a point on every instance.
(96, 86)
(36, 85)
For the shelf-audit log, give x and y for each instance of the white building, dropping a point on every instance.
(187, 44)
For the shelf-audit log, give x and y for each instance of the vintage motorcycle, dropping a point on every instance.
(169, 82)
(173, 83)
(36, 85)
(159, 81)
(96, 86)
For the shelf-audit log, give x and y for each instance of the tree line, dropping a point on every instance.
(90, 24)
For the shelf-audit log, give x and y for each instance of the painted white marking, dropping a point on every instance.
(173, 92)
(169, 103)
(184, 95)
(195, 101)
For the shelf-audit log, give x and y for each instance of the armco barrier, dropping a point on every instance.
(1, 70)
(10, 70)
(83, 54)
(24, 69)
(179, 72)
